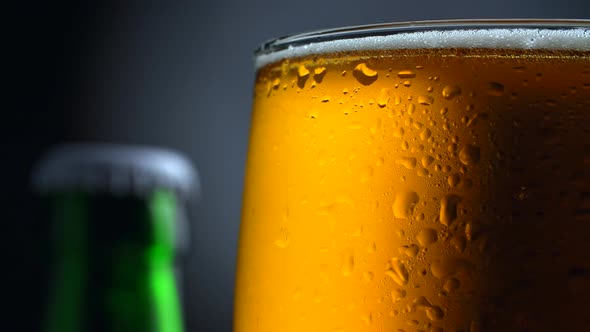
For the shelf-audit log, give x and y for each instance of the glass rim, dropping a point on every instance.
(383, 29)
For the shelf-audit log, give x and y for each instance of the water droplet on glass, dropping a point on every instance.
(469, 154)
(427, 161)
(283, 240)
(425, 134)
(397, 271)
(427, 236)
(404, 203)
(302, 76)
(364, 74)
(425, 100)
(495, 89)
(407, 162)
(411, 109)
(451, 285)
(318, 74)
(398, 294)
(406, 74)
(325, 99)
(451, 91)
(399, 132)
(368, 276)
(459, 243)
(448, 209)
(347, 263)
(453, 180)
(434, 313)
(367, 318)
(410, 250)
(407, 84)
(422, 172)
(383, 97)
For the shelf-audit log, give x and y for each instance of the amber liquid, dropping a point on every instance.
(418, 190)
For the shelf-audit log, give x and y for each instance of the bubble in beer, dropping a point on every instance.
(397, 271)
(425, 100)
(404, 203)
(469, 154)
(407, 162)
(495, 89)
(410, 250)
(450, 92)
(364, 74)
(448, 209)
(427, 236)
(406, 74)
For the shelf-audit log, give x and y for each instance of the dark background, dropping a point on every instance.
(169, 73)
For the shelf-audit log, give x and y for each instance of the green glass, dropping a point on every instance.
(113, 263)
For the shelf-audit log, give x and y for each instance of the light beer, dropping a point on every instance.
(437, 188)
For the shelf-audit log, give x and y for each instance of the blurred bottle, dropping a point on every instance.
(118, 219)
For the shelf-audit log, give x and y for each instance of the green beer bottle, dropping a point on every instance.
(118, 220)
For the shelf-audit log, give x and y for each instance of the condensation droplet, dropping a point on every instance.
(427, 161)
(398, 294)
(383, 97)
(369, 275)
(364, 74)
(319, 73)
(459, 243)
(366, 174)
(405, 146)
(451, 285)
(407, 162)
(404, 203)
(283, 239)
(367, 318)
(410, 250)
(453, 179)
(425, 100)
(411, 109)
(451, 91)
(495, 89)
(397, 271)
(407, 84)
(399, 132)
(422, 172)
(434, 313)
(469, 154)
(427, 236)
(406, 74)
(448, 209)
(425, 134)
(347, 263)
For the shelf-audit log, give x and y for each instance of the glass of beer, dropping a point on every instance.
(427, 176)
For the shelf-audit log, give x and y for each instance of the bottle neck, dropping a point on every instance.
(114, 263)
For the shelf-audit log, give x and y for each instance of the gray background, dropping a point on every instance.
(179, 74)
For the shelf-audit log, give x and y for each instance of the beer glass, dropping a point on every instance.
(427, 176)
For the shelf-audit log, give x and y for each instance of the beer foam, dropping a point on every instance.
(492, 38)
